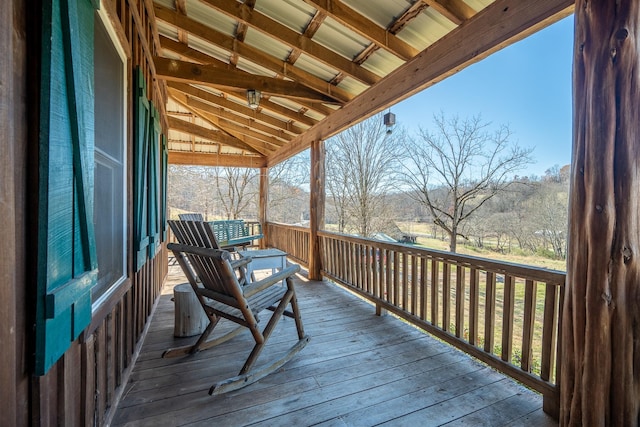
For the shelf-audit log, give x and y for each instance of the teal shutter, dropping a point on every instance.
(66, 257)
(154, 181)
(141, 158)
(165, 170)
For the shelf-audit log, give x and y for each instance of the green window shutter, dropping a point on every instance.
(66, 253)
(154, 181)
(141, 158)
(165, 170)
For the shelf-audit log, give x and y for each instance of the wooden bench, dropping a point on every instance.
(236, 232)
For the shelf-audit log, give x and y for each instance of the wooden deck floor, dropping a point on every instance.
(358, 370)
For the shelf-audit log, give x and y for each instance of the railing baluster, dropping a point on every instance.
(489, 312)
(423, 288)
(460, 294)
(405, 282)
(446, 296)
(414, 284)
(434, 291)
(530, 292)
(507, 317)
(549, 331)
(387, 275)
(396, 278)
(474, 305)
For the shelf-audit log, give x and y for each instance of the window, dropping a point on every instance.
(110, 199)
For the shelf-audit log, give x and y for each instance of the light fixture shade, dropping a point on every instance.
(253, 98)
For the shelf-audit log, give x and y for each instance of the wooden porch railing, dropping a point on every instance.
(507, 315)
(292, 239)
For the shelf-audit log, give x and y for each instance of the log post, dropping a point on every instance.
(600, 354)
(263, 205)
(316, 208)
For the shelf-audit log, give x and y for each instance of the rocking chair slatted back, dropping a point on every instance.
(194, 233)
(191, 217)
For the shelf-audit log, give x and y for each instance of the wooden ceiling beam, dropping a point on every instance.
(250, 117)
(189, 72)
(252, 54)
(293, 39)
(219, 160)
(210, 134)
(266, 144)
(234, 128)
(244, 110)
(256, 145)
(365, 27)
(495, 27)
(195, 55)
(312, 27)
(409, 15)
(456, 11)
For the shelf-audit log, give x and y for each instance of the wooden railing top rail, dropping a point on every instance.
(295, 227)
(500, 267)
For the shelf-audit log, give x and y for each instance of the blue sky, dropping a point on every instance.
(526, 86)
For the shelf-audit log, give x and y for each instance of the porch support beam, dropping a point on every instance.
(600, 354)
(316, 208)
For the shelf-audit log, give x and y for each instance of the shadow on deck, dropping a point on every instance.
(358, 370)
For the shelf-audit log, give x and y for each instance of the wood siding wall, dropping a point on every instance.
(85, 384)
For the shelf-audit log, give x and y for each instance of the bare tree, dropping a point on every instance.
(466, 162)
(288, 189)
(237, 190)
(550, 206)
(361, 164)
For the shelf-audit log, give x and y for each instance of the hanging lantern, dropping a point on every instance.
(389, 121)
(253, 98)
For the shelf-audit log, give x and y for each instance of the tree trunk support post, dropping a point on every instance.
(316, 208)
(263, 206)
(600, 355)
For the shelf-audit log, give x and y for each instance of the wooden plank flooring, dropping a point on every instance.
(358, 370)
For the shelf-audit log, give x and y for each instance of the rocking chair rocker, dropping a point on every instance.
(214, 277)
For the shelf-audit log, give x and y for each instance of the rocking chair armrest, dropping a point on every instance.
(240, 262)
(271, 280)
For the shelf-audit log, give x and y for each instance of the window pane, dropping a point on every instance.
(109, 203)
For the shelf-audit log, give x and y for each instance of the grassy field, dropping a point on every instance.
(423, 230)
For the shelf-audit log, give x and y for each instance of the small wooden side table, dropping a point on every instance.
(265, 259)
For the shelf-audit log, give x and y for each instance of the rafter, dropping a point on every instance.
(291, 38)
(251, 53)
(241, 109)
(263, 122)
(456, 11)
(409, 15)
(206, 111)
(181, 7)
(212, 135)
(257, 145)
(195, 55)
(362, 25)
(265, 143)
(312, 28)
(182, 71)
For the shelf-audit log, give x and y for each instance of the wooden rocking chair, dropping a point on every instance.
(212, 275)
